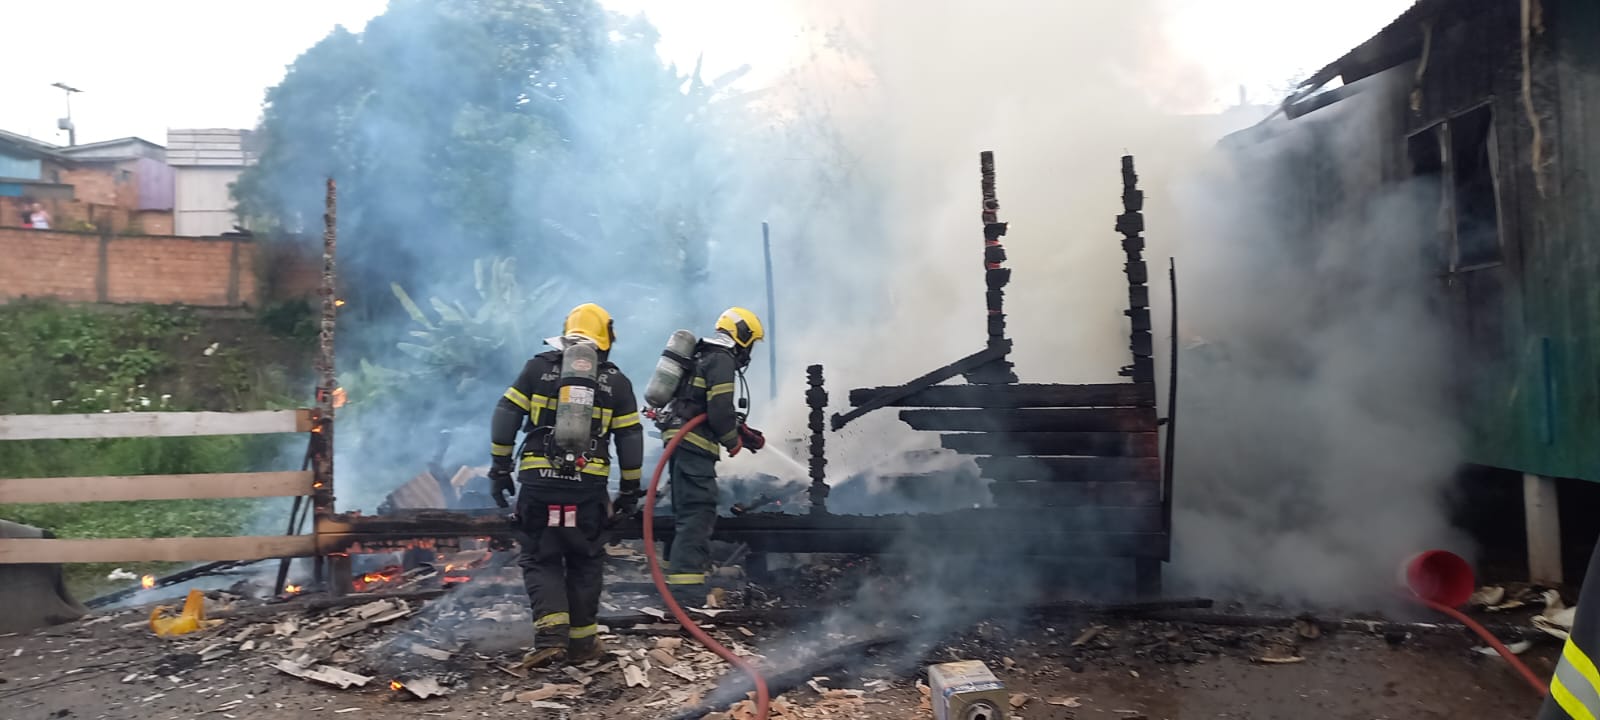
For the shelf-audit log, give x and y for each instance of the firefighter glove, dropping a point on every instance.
(751, 438)
(626, 503)
(501, 483)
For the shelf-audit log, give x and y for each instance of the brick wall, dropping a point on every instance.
(94, 185)
(89, 267)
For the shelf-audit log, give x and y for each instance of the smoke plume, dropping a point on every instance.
(1315, 435)
(1313, 415)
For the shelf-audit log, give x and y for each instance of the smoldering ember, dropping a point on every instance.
(1005, 375)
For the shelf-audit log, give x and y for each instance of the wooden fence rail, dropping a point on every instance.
(122, 488)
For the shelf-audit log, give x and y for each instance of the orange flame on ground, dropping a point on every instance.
(369, 580)
(292, 589)
(454, 579)
(395, 685)
(147, 582)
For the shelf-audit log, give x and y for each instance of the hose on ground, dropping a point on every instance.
(762, 698)
(1494, 642)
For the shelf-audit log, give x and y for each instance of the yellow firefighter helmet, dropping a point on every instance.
(741, 325)
(591, 322)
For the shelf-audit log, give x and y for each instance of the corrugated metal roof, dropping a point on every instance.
(127, 148)
(30, 146)
(211, 147)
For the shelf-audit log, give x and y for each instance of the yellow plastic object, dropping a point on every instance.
(191, 619)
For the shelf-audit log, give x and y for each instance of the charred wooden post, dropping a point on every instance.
(322, 498)
(996, 277)
(1131, 224)
(817, 400)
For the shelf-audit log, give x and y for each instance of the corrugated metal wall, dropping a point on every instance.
(203, 204)
(156, 181)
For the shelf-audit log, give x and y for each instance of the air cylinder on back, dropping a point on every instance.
(575, 398)
(675, 362)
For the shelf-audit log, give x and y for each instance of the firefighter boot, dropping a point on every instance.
(582, 650)
(545, 657)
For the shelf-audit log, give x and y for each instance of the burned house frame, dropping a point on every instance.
(1491, 107)
(1076, 470)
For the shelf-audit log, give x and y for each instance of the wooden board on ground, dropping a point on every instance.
(154, 487)
(1033, 420)
(184, 549)
(1071, 469)
(1020, 396)
(1051, 494)
(1096, 444)
(152, 424)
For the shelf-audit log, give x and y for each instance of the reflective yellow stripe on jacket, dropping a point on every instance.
(1576, 685)
(695, 439)
(539, 403)
(596, 467)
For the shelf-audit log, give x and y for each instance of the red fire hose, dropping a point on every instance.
(1443, 581)
(1494, 642)
(762, 698)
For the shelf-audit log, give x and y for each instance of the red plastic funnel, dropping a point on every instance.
(1441, 577)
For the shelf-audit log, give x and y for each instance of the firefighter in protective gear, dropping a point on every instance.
(562, 508)
(1575, 687)
(719, 361)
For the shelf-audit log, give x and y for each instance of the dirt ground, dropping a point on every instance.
(1067, 667)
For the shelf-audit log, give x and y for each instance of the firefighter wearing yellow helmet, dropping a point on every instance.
(562, 468)
(719, 360)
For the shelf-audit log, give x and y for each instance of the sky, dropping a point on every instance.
(157, 64)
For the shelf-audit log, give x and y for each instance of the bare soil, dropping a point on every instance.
(1068, 668)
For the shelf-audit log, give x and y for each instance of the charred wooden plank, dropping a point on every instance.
(887, 396)
(1051, 494)
(1094, 444)
(1034, 420)
(1071, 469)
(1019, 396)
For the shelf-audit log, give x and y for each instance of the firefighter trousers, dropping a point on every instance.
(562, 559)
(694, 511)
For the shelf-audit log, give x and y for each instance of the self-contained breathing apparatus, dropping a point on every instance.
(670, 381)
(571, 440)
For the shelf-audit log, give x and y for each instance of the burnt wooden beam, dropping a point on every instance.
(817, 400)
(1071, 469)
(996, 277)
(887, 396)
(1094, 444)
(1016, 396)
(1056, 494)
(1033, 420)
(1131, 224)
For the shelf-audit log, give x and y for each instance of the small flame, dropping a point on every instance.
(147, 582)
(373, 579)
(457, 579)
(395, 685)
(292, 589)
(339, 397)
(338, 302)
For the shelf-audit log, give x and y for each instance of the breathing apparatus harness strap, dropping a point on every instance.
(542, 439)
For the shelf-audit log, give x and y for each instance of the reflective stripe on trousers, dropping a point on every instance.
(1576, 685)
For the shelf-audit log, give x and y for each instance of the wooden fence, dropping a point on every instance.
(120, 488)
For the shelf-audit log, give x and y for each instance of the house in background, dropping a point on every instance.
(30, 170)
(140, 181)
(119, 185)
(1487, 109)
(206, 163)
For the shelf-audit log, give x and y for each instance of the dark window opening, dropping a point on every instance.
(1477, 211)
(1427, 164)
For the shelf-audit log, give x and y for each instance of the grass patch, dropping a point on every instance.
(91, 359)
